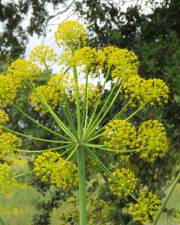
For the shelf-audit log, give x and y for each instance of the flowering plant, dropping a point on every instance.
(76, 99)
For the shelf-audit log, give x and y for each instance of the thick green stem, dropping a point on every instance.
(82, 191)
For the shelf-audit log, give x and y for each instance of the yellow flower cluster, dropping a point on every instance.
(3, 117)
(7, 179)
(124, 62)
(146, 208)
(141, 91)
(55, 91)
(8, 142)
(71, 34)
(152, 140)
(118, 134)
(103, 56)
(7, 91)
(93, 93)
(22, 69)
(122, 182)
(43, 55)
(50, 167)
(84, 58)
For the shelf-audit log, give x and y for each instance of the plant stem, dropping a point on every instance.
(166, 199)
(33, 138)
(37, 123)
(82, 191)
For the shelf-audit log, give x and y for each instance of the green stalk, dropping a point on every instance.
(41, 150)
(77, 101)
(37, 123)
(134, 113)
(99, 99)
(123, 108)
(53, 114)
(166, 199)
(86, 103)
(99, 120)
(34, 138)
(82, 191)
(92, 121)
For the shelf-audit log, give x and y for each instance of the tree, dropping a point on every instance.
(14, 15)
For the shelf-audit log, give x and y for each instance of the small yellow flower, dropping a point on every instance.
(71, 34)
(56, 91)
(123, 182)
(146, 208)
(118, 134)
(8, 141)
(103, 56)
(93, 93)
(50, 167)
(43, 55)
(140, 91)
(156, 91)
(152, 140)
(21, 70)
(7, 91)
(3, 117)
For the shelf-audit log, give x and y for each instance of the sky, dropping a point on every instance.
(70, 14)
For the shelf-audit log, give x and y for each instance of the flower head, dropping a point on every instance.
(50, 167)
(43, 55)
(93, 93)
(123, 182)
(141, 91)
(7, 91)
(119, 133)
(152, 140)
(8, 142)
(103, 56)
(156, 91)
(22, 69)
(146, 208)
(71, 34)
(57, 90)
(3, 117)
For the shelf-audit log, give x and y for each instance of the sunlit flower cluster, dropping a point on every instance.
(146, 208)
(93, 93)
(103, 56)
(152, 140)
(43, 55)
(71, 34)
(122, 182)
(140, 91)
(124, 63)
(119, 134)
(3, 117)
(21, 70)
(58, 89)
(7, 91)
(51, 168)
(8, 142)
(84, 58)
